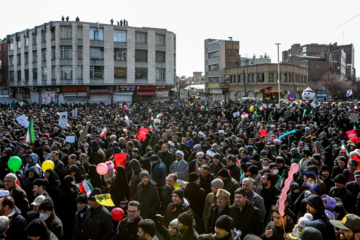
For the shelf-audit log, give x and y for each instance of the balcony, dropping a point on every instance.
(97, 82)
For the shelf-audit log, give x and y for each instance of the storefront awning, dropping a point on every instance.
(100, 91)
(145, 94)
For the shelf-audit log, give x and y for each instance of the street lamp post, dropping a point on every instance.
(278, 70)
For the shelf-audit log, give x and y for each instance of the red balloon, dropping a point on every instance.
(117, 214)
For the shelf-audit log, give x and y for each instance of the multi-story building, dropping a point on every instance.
(219, 54)
(4, 81)
(73, 61)
(244, 61)
(247, 81)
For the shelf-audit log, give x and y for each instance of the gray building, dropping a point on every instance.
(73, 61)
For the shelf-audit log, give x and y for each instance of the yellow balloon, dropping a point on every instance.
(48, 164)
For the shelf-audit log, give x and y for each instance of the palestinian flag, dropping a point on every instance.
(279, 183)
(104, 131)
(356, 107)
(30, 135)
(261, 108)
(159, 115)
(344, 149)
(86, 188)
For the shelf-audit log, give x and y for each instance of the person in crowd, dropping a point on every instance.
(4, 226)
(349, 227)
(180, 167)
(224, 230)
(220, 208)
(166, 193)
(254, 197)
(146, 230)
(16, 192)
(128, 227)
(185, 226)
(17, 229)
(279, 226)
(47, 214)
(37, 229)
(230, 184)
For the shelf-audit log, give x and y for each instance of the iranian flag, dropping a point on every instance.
(86, 187)
(279, 183)
(261, 108)
(125, 130)
(356, 107)
(344, 149)
(104, 131)
(354, 127)
(151, 127)
(30, 135)
(159, 115)
(239, 166)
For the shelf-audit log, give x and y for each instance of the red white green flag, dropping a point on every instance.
(104, 131)
(151, 127)
(344, 149)
(261, 108)
(159, 115)
(125, 130)
(86, 188)
(356, 107)
(30, 135)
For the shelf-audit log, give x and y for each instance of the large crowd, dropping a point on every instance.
(202, 170)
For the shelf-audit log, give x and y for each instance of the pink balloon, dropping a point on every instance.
(117, 214)
(282, 209)
(293, 169)
(102, 169)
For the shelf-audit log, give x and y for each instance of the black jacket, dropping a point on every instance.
(128, 230)
(17, 230)
(249, 220)
(196, 197)
(97, 154)
(54, 224)
(270, 197)
(173, 211)
(149, 200)
(278, 232)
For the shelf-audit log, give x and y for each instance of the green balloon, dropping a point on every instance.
(14, 163)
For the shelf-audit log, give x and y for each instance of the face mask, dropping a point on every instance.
(43, 216)
(265, 167)
(276, 171)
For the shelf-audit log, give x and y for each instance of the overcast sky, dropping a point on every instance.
(258, 25)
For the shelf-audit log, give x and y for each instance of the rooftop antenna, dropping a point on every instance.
(230, 38)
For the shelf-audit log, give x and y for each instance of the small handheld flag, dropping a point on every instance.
(104, 131)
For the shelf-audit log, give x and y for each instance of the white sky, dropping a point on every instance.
(258, 25)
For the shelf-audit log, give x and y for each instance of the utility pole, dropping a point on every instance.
(278, 70)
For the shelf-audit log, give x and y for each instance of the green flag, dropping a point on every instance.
(280, 181)
(30, 135)
(304, 113)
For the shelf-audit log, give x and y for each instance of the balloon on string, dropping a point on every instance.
(14, 163)
(117, 214)
(285, 134)
(48, 164)
(102, 169)
(293, 169)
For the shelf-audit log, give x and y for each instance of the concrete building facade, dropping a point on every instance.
(73, 61)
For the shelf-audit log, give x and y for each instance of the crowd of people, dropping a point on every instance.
(202, 171)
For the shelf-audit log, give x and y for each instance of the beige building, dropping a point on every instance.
(247, 81)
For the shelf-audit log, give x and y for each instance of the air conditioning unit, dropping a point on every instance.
(57, 89)
(19, 90)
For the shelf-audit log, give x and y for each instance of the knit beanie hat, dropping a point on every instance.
(294, 151)
(256, 157)
(217, 183)
(193, 177)
(144, 173)
(340, 179)
(186, 218)
(224, 222)
(82, 198)
(224, 173)
(36, 228)
(47, 204)
(263, 152)
(294, 185)
(174, 223)
(232, 158)
(180, 193)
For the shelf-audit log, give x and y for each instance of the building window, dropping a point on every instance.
(18, 44)
(285, 77)
(253, 77)
(160, 74)
(141, 38)
(43, 55)
(96, 34)
(65, 33)
(120, 54)
(43, 73)
(120, 73)
(260, 77)
(239, 78)
(43, 37)
(65, 52)
(140, 56)
(96, 72)
(11, 60)
(214, 54)
(80, 53)
(53, 53)
(34, 39)
(79, 73)
(160, 57)
(119, 36)
(79, 33)
(26, 42)
(34, 57)
(96, 53)
(141, 73)
(35, 74)
(19, 75)
(11, 76)
(53, 36)
(53, 73)
(160, 40)
(65, 72)
(213, 67)
(249, 77)
(11, 46)
(18, 59)
(26, 58)
(213, 79)
(290, 79)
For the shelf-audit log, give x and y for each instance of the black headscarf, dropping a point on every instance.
(119, 187)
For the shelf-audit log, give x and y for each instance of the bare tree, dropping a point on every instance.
(335, 85)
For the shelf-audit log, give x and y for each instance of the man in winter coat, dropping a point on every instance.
(98, 222)
(17, 229)
(128, 227)
(158, 172)
(354, 188)
(46, 213)
(135, 178)
(37, 230)
(180, 167)
(178, 205)
(274, 230)
(247, 218)
(340, 191)
(97, 154)
(166, 156)
(223, 229)
(219, 209)
(16, 192)
(147, 195)
(315, 206)
(196, 197)
(253, 196)
(230, 184)
(185, 226)
(166, 193)
(233, 169)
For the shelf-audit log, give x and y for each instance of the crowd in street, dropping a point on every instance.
(203, 170)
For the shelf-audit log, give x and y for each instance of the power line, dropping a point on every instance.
(344, 22)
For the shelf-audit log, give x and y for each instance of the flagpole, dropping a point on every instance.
(278, 71)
